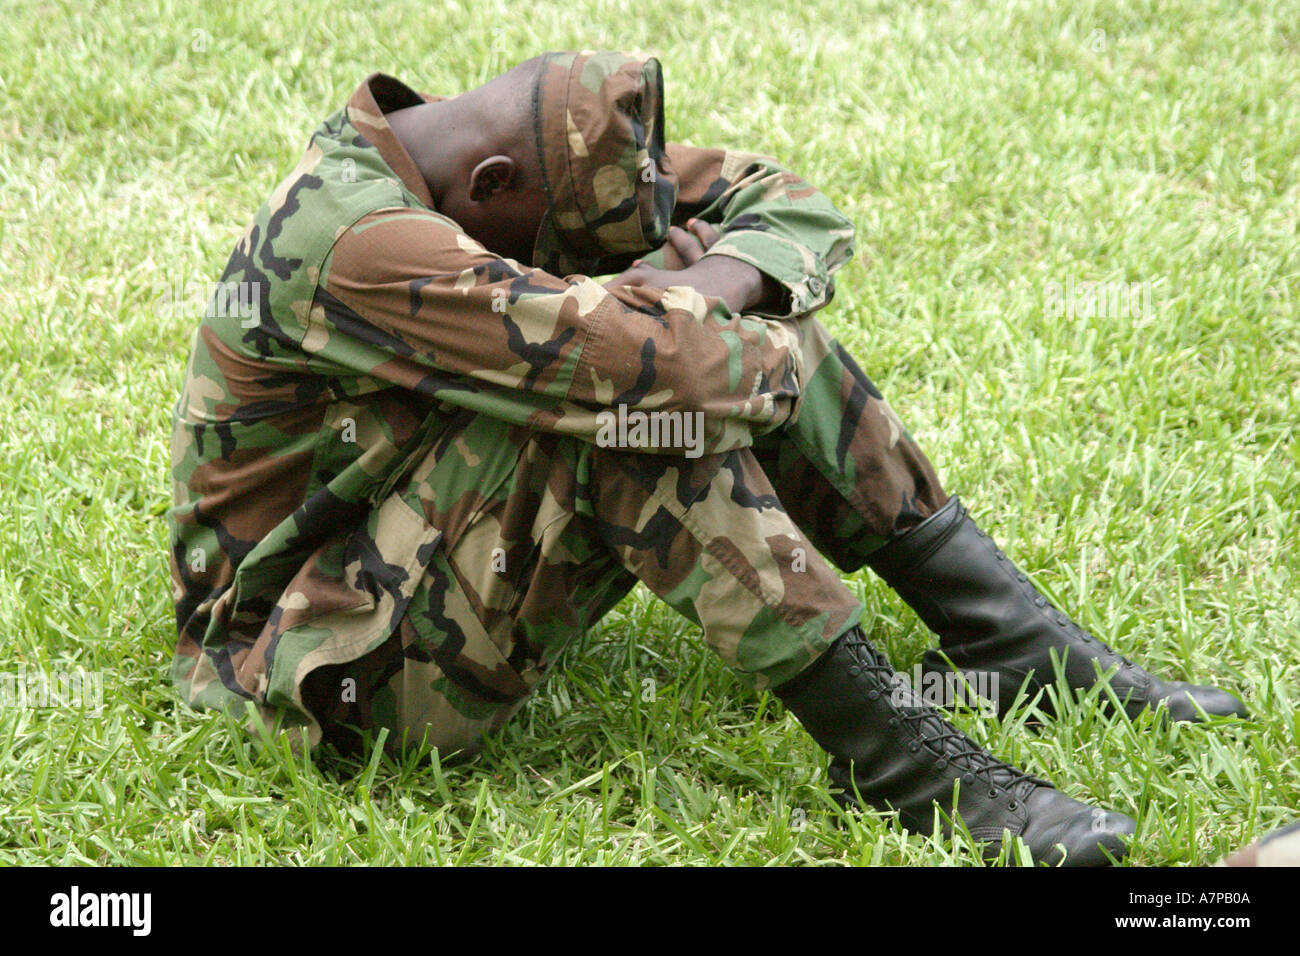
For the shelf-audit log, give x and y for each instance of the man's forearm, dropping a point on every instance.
(765, 296)
(737, 283)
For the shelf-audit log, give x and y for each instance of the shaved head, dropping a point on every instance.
(478, 154)
(506, 102)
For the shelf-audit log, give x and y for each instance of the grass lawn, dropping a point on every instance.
(1004, 162)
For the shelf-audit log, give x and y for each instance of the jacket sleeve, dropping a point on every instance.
(767, 216)
(406, 298)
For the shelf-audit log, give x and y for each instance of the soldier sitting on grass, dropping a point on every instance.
(396, 498)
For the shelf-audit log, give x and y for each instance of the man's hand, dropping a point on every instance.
(685, 247)
(737, 283)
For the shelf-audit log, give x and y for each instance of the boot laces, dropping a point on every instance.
(1061, 618)
(937, 735)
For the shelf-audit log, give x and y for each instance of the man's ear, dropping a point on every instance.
(493, 175)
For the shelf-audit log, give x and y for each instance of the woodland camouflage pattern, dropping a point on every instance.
(389, 508)
(606, 111)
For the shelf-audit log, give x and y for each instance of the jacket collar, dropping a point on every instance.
(377, 95)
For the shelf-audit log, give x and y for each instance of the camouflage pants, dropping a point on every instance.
(731, 541)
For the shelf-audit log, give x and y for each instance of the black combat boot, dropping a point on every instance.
(897, 753)
(991, 618)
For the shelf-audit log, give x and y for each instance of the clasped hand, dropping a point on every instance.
(737, 283)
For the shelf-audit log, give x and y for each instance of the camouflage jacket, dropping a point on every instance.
(354, 323)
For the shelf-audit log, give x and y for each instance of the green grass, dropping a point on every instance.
(1143, 466)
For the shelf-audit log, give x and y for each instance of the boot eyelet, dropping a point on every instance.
(893, 721)
(855, 670)
(873, 695)
(914, 746)
(992, 794)
(1013, 805)
(968, 778)
(941, 763)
